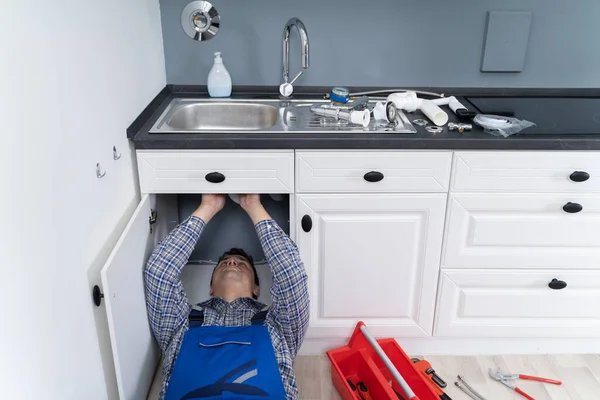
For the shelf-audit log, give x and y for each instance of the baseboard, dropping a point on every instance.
(470, 346)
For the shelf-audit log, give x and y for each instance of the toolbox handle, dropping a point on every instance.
(388, 363)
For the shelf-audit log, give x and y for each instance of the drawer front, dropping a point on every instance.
(366, 171)
(526, 172)
(517, 230)
(230, 172)
(518, 304)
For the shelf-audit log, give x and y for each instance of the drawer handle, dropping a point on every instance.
(373, 176)
(306, 223)
(572, 208)
(579, 176)
(215, 177)
(555, 284)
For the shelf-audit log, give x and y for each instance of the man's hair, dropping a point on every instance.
(239, 252)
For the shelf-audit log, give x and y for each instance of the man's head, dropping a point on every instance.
(234, 276)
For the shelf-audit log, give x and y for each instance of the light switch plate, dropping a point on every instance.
(505, 42)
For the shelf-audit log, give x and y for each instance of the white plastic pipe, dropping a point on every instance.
(434, 112)
(388, 363)
(451, 102)
(409, 102)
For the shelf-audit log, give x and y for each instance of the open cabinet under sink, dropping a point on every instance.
(136, 355)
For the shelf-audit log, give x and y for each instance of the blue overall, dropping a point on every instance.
(217, 362)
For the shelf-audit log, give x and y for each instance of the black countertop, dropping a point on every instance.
(477, 139)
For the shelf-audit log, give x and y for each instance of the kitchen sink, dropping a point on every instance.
(187, 115)
(223, 116)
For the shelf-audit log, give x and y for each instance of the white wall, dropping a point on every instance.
(73, 76)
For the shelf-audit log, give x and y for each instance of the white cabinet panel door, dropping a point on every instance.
(371, 258)
(503, 303)
(526, 171)
(522, 231)
(346, 171)
(135, 352)
(198, 171)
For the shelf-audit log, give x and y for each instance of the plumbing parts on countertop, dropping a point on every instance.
(408, 101)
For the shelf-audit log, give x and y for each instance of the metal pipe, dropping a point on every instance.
(388, 363)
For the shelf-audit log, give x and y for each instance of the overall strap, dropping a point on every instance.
(196, 318)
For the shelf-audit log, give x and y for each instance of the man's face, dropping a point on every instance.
(236, 271)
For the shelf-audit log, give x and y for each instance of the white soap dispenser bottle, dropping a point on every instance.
(219, 80)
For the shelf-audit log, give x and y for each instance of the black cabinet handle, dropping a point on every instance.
(373, 176)
(215, 177)
(557, 284)
(579, 176)
(97, 295)
(572, 208)
(306, 223)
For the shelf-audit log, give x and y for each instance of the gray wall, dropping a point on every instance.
(387, 43)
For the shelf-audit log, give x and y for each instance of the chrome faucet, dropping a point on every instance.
(286, 87)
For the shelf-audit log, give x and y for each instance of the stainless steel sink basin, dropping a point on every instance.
(223, 116)
(188, 115)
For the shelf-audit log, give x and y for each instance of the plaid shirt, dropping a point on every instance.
(168, 307)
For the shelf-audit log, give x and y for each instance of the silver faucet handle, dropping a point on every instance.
(296, 77)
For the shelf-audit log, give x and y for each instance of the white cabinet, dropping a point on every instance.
(135, 353)
(201, 171)
(371, 258)
(391, 171)
(522, 230)
(526, 171)
(372, 247)
(502, 303)
(515, 222)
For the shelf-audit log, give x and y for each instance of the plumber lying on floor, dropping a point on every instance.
(231, 349)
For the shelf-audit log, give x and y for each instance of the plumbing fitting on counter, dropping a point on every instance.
(362, 117)
(456, 107)
(409, 102)
(385, 112)
(460, 128)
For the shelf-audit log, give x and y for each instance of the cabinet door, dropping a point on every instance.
(522, 231)
(373, 258)
(134, 350)
(518, 303)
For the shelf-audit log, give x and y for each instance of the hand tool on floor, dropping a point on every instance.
(433, 380)
(506, 380)
(388, 363)
(425, 368)
(467, 389)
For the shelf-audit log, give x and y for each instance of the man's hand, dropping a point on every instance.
(254, 208)
(210, 206)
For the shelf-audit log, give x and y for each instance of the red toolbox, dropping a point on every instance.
(359, 362)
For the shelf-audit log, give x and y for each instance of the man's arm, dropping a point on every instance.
(166, 302)
(289, 291)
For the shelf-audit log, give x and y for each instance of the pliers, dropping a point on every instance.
(506, 379)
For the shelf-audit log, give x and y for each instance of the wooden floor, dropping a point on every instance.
(580, 375)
